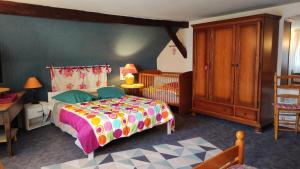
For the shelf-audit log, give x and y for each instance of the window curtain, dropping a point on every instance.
(79, 77)
(295, 51)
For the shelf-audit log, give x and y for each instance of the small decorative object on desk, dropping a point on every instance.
(36, 115)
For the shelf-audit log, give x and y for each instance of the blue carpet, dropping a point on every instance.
(48, 145)
(166, 156)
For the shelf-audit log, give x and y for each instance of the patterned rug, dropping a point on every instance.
(183, 155)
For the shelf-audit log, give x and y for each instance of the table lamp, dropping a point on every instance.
(4, 89)
(129, 71)
(33, 84)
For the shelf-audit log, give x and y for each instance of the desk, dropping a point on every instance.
(133, 89)
(8, 112)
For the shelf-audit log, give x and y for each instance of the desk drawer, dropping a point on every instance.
(34, 114)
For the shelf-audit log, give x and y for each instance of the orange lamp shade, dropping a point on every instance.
(130, 68)
(4, 89)
(32, 83)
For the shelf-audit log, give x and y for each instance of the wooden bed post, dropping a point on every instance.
(229, 157)
(169, 127)
(240, 135)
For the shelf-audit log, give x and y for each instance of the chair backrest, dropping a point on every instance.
(287, 91)
(295, 80)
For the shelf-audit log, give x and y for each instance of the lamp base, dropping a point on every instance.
(129, 79)
(34, 96)
(35, 102)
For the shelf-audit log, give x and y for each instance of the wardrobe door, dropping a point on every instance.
(200, 73)
(221, 64)
(247, 67)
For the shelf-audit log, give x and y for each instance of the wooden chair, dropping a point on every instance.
(3, 136)
(295, 80)
(231, 156)
(292, 109)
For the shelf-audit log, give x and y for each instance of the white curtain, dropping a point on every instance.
(295, 51)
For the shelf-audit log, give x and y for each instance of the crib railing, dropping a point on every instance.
(162, 86)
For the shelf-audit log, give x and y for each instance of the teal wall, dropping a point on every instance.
(28, 45)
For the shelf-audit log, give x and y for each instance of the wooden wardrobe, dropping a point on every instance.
(233, 68)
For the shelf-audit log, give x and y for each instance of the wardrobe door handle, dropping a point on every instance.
(206, 67)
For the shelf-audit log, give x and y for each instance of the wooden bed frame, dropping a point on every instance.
(185, 87)
(231, 156)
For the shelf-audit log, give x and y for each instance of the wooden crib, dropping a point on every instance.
(172, 88)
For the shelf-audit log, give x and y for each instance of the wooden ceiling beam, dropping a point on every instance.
(23, 9)
(177, 42)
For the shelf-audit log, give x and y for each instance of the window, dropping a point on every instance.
(295, 51)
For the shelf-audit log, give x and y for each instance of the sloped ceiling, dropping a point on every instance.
(295, 21)
(177, 10)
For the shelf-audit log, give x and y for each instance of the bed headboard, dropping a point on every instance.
(79, 77)
(85, 78)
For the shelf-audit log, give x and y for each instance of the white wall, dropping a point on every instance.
(171, 60)
(167, 62)
(295, 22)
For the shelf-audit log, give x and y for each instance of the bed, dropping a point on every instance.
(231, 158)
(173, 88)
(96, 123)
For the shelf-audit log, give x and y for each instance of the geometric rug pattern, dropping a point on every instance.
(185, 154)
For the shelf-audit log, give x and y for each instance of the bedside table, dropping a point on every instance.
(36, 115)
(133, 89)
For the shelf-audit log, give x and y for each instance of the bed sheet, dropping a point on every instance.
(99, 122)
(55, 119)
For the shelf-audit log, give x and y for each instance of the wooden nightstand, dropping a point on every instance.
(36, 115)
(133, 89)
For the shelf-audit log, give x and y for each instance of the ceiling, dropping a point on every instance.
(178, 10)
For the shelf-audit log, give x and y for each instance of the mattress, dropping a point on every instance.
(161, 94)
(56, 106)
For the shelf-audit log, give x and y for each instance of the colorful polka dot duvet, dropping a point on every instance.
(99, 122)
